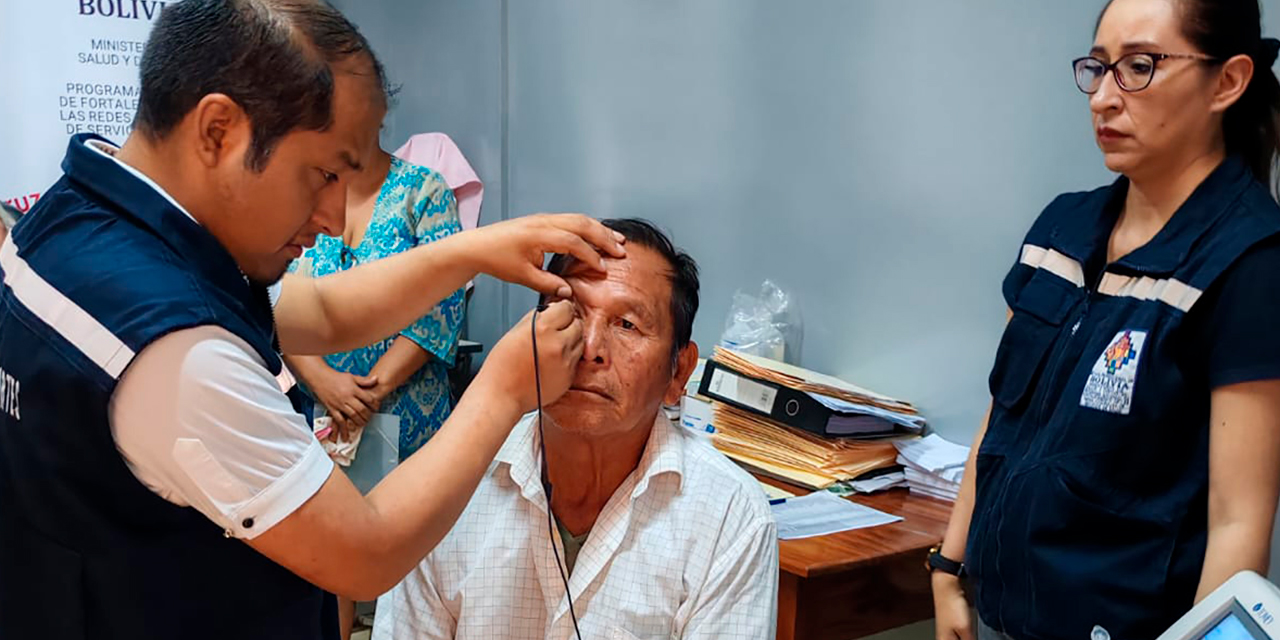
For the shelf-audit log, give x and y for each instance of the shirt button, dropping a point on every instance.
(247, 524)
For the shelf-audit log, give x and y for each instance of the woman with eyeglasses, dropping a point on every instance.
(1130, 462)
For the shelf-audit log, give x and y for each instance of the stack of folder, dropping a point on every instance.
(806, 400)
(934, 466)
(793, 455)
(800, 426)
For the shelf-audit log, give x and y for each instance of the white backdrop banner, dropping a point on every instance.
(66, 67)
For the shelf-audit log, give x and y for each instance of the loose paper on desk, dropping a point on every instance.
(933, 454)
(775, 493)
(913, 423)
(878, 483)
(821, 513)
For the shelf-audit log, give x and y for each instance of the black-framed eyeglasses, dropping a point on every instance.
(1133, 71)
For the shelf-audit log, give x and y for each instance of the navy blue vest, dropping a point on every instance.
(100, 268)
(1092, 478)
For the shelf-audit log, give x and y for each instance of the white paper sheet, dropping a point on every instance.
(821, 513)
(914, 423)
(879, 483)
(946, 477)
(933, 454)
(774, 493)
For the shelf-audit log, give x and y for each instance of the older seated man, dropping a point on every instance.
(663, 537)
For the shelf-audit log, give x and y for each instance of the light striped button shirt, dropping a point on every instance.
(686, 548)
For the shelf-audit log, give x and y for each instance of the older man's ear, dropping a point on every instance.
(685, 364)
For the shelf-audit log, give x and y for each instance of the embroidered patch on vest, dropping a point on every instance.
(1110, 385)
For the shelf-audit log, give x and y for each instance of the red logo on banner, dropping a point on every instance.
(23, 203)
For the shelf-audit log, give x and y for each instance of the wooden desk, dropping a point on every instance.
(857, 583)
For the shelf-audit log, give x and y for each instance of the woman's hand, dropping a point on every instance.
(350, 399)
(953, 620)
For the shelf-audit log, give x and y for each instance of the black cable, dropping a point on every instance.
(546, 479)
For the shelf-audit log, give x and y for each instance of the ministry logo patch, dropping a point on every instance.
(1110, 385)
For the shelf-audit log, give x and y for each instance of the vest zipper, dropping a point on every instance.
(1055, 360)
(1052, 367)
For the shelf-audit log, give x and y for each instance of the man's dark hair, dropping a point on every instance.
(683, 273)
(273, 57)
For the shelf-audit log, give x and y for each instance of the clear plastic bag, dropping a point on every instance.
(379, 452)
(766, 325)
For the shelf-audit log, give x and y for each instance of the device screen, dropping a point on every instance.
(1236, 625)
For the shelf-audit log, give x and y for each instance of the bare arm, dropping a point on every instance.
(1244, 480)
(358, 307)
(403, 358)
(951, 609)
(957, 535)
(309, 369)
(355, 308)
(358, 546)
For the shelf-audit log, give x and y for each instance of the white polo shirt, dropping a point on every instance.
(200, 421)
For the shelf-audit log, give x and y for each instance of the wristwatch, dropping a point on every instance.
(939, 562)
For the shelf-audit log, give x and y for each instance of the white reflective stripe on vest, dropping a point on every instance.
(1056, 263)
(62, 315)
(1174, 293)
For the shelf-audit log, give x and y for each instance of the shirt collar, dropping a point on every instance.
(1088, 230)
(664, 455)
(109, 150)
(89, 163)
(519, 457)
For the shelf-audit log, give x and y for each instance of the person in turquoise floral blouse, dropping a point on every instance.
(394, 206)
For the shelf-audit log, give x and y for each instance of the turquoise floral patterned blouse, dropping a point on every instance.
(414, 207)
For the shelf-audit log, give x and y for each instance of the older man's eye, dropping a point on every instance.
(626, 324)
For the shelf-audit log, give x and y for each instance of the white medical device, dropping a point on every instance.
(1246, 607)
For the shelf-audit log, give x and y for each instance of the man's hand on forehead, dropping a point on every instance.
(516, 250)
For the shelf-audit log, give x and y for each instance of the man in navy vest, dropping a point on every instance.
(154, 481)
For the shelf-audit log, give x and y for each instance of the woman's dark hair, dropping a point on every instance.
(1226, 28)
(273, 57)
